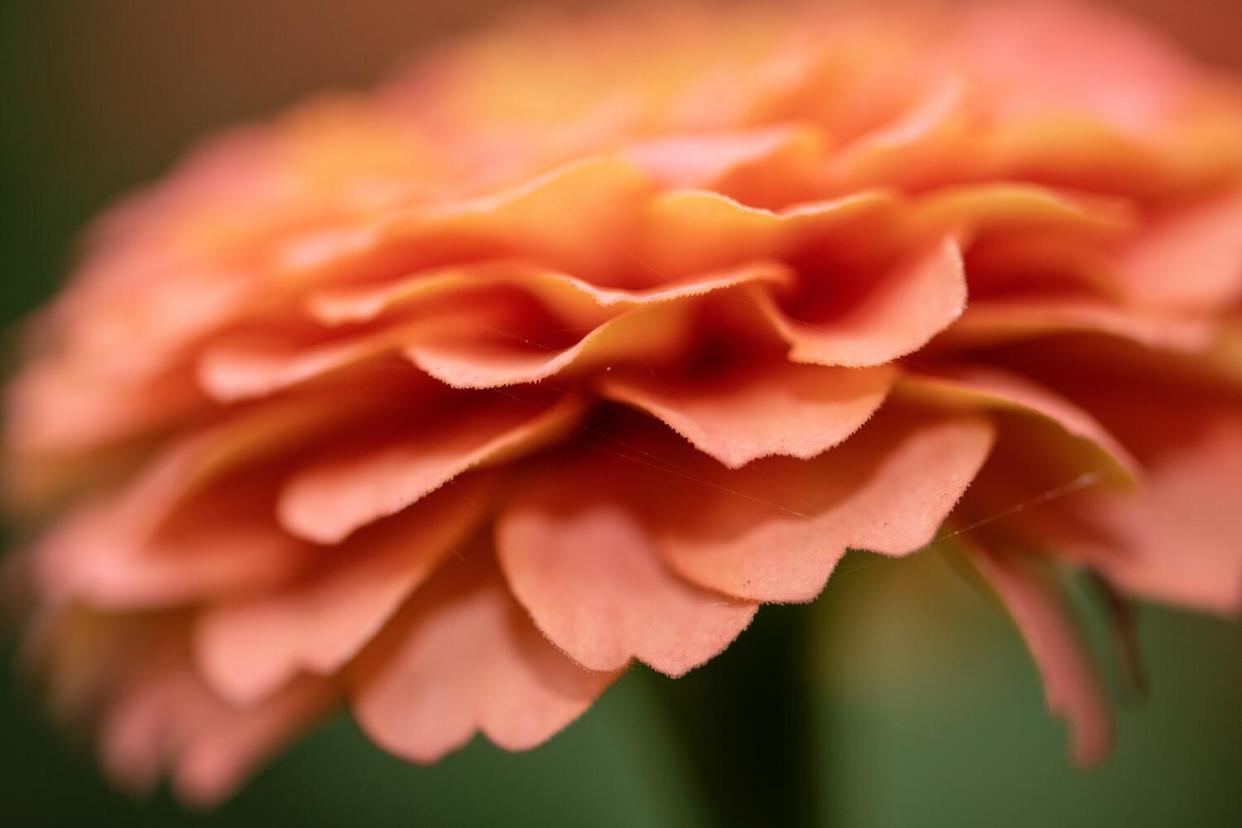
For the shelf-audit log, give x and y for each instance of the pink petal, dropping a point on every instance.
(589, 573)
(1090, 63)
(911, 147)
(100, 558)
(604, 194)
(196, 461)
(710, 160)
(132, 737)
(463, 657)
(1190, 259)
(569, 296)
(1179, 537)
(774, 530)
(501, 359)
(221, 746)
(1000, 321)
(900, 314)
(1022, 208)
(246, 367)
(1006, 391)
(772, 408)
(249, 647)
(163, 716)
(692, 231)
(56, 408)
(621, 326)
(343, 490)
(1071, 685)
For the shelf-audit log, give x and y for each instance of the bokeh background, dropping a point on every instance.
(915, 704)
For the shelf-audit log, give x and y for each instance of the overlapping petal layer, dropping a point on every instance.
(578, 342)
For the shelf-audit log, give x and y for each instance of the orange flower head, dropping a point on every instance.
(577, 342)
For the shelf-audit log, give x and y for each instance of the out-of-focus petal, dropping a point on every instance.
(711, 160)
(224, 745)
(55, 409)
(99, 557)
(690, 231)
(990, 207)
(604, 194)
(1071, 685)
(246, 445)
(246, 367)
(1190, 259)
(1000, 321)
(249, 647)
(164, 718)
(463, 657)
(1177, 538)
(1090, 63)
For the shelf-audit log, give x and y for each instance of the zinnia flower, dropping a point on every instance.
(578, 342)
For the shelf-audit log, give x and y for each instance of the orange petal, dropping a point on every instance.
(603, 194)
(979, 208)
(1177, 537)
(164, 716)
(1105, 456)
(102, 559)
(463, 657)
(131, 746)
(1071, 685)
(229, 743)
(1090, 62)
(910, 149)
(500, 359)
(899, 315)
(55, 408)
(345, 489)
(691, 231)
(773, 165)
(589, 573)
(774, 530)
(1188, 260)
(246, 367)
(236, 445)
(773, 408)
(250, 647)
(568, 296)
(997, 321)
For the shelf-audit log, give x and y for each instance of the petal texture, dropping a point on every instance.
(337, 494)
(773, 408)
(775, 530)
(463, 657)
(591, 576)
(249, 647)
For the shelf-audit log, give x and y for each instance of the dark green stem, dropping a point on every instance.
(747, 719)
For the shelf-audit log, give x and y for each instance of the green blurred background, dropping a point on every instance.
(903, 693)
